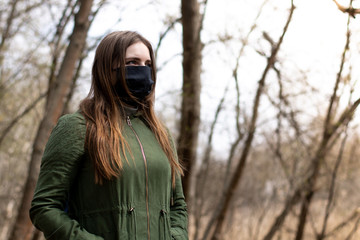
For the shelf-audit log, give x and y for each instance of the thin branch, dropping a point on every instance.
(350, 10)
(6, 33)
(13, 79)
(202, 17)
(163, 34)
(159, 68)
(240, 134)
(21, 115)
(347, 115)
(202, 175)
(334, 98)
(353, 230)
(332, 186)
(354, 215)
(64, 20)
(29, 8)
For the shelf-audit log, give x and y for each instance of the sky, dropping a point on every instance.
(312, 47)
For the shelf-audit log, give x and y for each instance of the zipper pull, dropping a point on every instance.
(128, 121)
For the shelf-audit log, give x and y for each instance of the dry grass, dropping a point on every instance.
(246, 224)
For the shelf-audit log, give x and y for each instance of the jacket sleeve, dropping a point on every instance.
(178, 213)
(178, 208)
(58, 170)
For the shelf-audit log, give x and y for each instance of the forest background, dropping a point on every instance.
(261, 96)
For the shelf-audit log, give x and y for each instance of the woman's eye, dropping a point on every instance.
(132, 62)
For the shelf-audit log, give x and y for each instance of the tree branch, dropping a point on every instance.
(19, 116)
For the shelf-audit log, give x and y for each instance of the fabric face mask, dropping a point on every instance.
(138, 80)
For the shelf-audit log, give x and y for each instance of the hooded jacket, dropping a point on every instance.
(139, 204)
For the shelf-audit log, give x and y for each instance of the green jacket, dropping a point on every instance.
(139, 204)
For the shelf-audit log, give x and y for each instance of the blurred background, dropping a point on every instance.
(260, 96)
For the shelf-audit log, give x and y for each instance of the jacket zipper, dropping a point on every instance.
(146, 176)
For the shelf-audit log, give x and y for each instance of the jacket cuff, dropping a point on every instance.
(178, 234)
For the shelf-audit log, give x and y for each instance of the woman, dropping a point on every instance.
(110, 170)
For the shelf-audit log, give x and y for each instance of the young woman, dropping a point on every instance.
(110, 170)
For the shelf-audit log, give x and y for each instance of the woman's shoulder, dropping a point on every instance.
(67, 136)
(72, 123)
(73, 118)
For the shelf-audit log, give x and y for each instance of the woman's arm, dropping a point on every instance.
(178, 213)
(59, 166)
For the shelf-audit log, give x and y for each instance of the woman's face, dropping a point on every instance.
(137, 54)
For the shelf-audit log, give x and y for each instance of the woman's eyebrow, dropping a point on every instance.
(137, 59)
(132, 58)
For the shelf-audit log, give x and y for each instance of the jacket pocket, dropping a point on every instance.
(164, 226)
(101, 224)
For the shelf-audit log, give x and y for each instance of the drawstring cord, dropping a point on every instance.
(133, 217)
(164, 224)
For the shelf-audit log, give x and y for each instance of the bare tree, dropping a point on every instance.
(330, 129)
(221, 211)
(54, 107)
(306, 190)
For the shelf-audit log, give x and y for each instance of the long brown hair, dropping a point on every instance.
(104, 110)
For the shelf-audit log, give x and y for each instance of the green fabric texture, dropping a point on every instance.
(67, 203)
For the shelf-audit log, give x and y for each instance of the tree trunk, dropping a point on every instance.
(190, 107)
(23, 227)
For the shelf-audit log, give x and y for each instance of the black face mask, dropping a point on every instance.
(138, 80)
